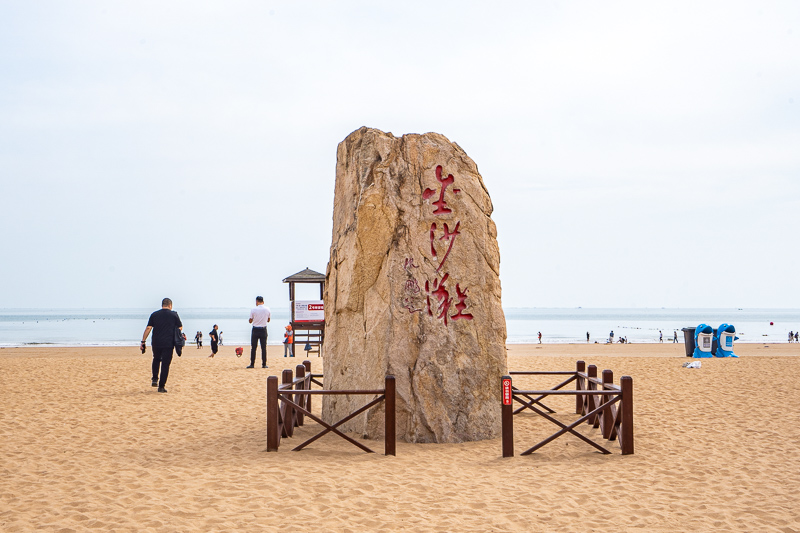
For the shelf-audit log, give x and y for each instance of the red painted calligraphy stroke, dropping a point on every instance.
(461, 306)
(441, 204)
(433, 230)
(449, 236)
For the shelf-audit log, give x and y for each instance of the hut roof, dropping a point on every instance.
(306, 276)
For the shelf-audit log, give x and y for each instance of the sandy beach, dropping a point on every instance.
(87, 444)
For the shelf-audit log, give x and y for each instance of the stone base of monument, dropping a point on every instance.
(413, 289)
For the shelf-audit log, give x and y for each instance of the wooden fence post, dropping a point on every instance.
(507, 414)
(389, 417)
(626, 425)
(300, 372)
(272, 414)
(590, 404)
(579, 385)
(288, 417)
(607, 420)
(307, 364)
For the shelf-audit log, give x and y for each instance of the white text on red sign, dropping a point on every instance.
(506, 392)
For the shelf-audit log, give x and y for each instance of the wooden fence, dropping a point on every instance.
(599, 403)
(290, 402)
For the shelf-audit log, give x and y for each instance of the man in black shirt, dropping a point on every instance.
(214, 340)
(162, 323)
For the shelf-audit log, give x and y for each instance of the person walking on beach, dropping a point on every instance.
(540, 337)
(214, 336)
(288, 340)
(796, 336)
(611, 337)
(220, 338)
(674, 336)
(587, 336)
(199, 339)
(162, 323)
(791, 336)
(660, 336)
(259, 316)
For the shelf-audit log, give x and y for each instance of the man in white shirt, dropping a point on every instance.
(259, 316)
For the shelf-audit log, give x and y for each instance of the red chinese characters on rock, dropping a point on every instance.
(409, 304)
(445, 302)
(411, 288)
(443, 296)
(436, 288)
(461, 306)
(447, 236)
(409, 264)
(441, 204)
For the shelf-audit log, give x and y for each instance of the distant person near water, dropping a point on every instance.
(587, 336)
(660, 336)
(791, 336)
(163, 324)
(611, 337)
(675, 336)
(288, 339)
(259, 316)
(220, 338)
(796, 336)
(214, 336)
(540, 337)
(199, 339)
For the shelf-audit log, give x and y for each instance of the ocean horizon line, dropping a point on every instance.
(562, 325)
(504, 307)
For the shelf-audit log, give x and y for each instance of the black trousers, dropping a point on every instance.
(162, 357)
(214, 348)
(258, 334)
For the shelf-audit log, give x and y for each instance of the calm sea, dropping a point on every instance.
(123, 327)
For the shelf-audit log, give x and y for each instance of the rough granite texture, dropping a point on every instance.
(413, 289)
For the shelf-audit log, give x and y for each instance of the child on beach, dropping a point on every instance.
(199, 339)
(288, 339)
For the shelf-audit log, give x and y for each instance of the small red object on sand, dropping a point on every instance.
(239, 351)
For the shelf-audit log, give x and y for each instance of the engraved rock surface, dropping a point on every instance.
(413, 289)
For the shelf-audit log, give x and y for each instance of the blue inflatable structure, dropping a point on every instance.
(726, 334)
(703, 341)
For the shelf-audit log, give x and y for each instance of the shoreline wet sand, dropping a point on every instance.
(88, 444)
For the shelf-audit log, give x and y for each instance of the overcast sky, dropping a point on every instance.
(638, 154)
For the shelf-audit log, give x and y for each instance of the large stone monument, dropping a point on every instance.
(413, 289)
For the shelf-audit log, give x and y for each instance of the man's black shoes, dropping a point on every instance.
(251, 366)
(162, 389)
(263, 366)
(154, 383)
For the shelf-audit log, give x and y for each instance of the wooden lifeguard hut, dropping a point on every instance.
(308, 316)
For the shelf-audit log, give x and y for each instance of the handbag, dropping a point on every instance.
(179, 341)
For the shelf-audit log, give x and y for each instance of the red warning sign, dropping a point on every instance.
(507, 391)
